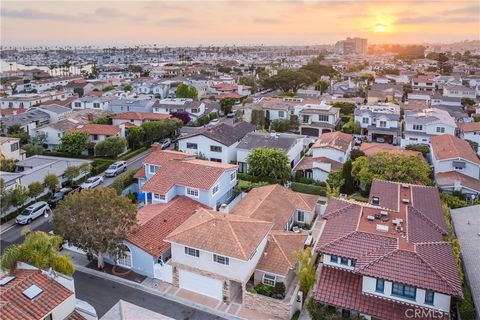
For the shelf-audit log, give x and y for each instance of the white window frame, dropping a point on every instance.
(272, 277)
(190, 145)
(157, 196)
(192, 252)
(221, 259)
(440, 130)
(152, 169)
(281, 114)
(192, 192)
(215, 189)
(233, 176)
(302, 213)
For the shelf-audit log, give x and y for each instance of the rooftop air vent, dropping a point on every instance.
(6, 280)
(384, 213)
(406, 201)
(382, 228)
(404, 185)
(370, 218)
(32, 292)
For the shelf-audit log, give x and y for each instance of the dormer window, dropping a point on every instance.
(152, 169)
(192, 192)
(375, 201)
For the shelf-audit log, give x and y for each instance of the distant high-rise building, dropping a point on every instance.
(352, 46)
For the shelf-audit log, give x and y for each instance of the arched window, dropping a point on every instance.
(125, 260)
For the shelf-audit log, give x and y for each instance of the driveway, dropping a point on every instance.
(103, 294)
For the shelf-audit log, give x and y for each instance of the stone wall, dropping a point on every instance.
(283, 309)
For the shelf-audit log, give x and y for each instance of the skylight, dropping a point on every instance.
(6, 280)
(32, 292)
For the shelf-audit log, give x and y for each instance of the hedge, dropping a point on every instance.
(124, 180)
(132, 153)
(245, 186)
(100, 165)
(308, 188)
(247, 177)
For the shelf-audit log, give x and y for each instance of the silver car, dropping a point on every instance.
(116, 168)
(32, 212)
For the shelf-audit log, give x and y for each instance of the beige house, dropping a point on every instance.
(10, 149)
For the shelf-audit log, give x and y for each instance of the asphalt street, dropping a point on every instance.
(12, 235)
(103, 294)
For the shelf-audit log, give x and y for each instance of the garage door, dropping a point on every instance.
(200, 284)
(310, 132)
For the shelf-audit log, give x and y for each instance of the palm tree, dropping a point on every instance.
(38, 249)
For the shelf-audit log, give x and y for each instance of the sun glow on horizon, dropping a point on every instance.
(380, 27)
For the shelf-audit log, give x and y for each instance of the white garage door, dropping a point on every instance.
(200, 284)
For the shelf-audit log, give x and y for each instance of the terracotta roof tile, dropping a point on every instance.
(14, 305)
(469, 126)
(335, 140)
(308, 163)
(447, 146)
(159, 220)
(279, 254)
(274, 203)
(373, 148)
(226, 234)
(141, 116)
(427, 201)
(387, 192)
(448, 179)
(101, 129)
(421, 228)
(340, 223)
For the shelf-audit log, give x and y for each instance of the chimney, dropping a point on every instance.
(156, 147)
(90, 117)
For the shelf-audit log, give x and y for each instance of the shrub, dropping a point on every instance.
(296, 315)
(132, 154)
(424, 149)
(245, 186)
(308, 188)
(213, 115)
(452, 201)
(100, 165)
(279, 290)
(264, 290)
(466, 308)
(124, 180)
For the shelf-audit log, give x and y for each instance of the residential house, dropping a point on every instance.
(11, 111)
(195, 109)
(131, 105)
(154, 87)
(423, 83)
(420, 126)
(470, 131)
(329, 153)
(53, 83)
(166, 174)
(216, 143)
(28, 120)
(56, 112)
(92, 102)
(53, 132)
(10, 149)
(380, 122)
(459, 92)
(99, 132)
(291, 144)
(317, 119)
(371, 148)
(384, 92)
(387, 259)
(28, 100)
(31, 293)
(137, 118)
(456, 166)
(438, 99)
(227, 90)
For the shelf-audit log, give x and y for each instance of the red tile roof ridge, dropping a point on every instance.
(208, 212)
(425, 218)
(237, 240)
(161, 206)
(280, 247)
(273, 186)
(338, 211)
(380, 258)
(358, 232)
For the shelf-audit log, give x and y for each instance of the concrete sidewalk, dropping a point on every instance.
(168, 291)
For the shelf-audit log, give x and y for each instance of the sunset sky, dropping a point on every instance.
(181, 23)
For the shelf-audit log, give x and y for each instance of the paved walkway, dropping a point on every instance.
(154, 286)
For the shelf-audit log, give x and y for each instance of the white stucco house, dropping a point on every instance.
(420, 126)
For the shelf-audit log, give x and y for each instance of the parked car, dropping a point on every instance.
(380, 140)
(358, 141)
(57, 196)
(92, 182)
(32, 212)
(116, 168)
(213, 122)
(230, 115)
(165, 143)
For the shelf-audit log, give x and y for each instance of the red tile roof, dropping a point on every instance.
(344, 289)
(180, 169)
(387, 192)
(10, 111)
(100, 129)
(334, 140)
(469, 126)
(448, 179)
(308, 163)
(370, 148)
(14, 305)
(158, 220)
(141, 116)
(447, 146)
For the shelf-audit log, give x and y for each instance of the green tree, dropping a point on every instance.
(287, 80)
(124, 180)
(346, 108)
(71, 173)
(108, 88)
(5, 196)
(16, 131)
(392, 167)
(40, 250)
(51, 181)
(74, 142)
(367, 77)
(135, 137)
(18, 196)
(185, 91)
(226, 105)
(269, 163)
(157, 130)
(35, 189)
(306, 270)
(8, 165)
(96, 221)
(85, 168)
(322, 86)
(127, 87)
(33, 149)
(110, 147)
(348, 185)
(467, 102)
(280, 125)
(335, 181)
(258, 118)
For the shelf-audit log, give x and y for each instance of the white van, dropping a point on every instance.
(32, 212)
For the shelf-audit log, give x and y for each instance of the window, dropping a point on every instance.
(334, 259)
(14, 147)
(375, 201)
(215, 160)
(59, 135)
(300, 216)
(192, 192)
(417, 127)
(323, 117)
(233, 175)
(192, 252)
(96, 105)
(344, 261)
(380, 286)
(242, 167)
(159, 196)
(95, 137)
(404, 291)
(365, 120)
(49, 317)
(215, 149)
(440, 130)
(306, 118)
(221, 259)
(78, 105)
(192, 146)
(153, 169)
(352, 263)
(413, 139)
(383, 124)
(281, 114)
(194, 110)
(269, 279)
(429, 295)
(215, 189)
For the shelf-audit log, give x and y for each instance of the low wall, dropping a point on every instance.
(283, 309)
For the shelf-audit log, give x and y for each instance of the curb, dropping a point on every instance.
(146, 289)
